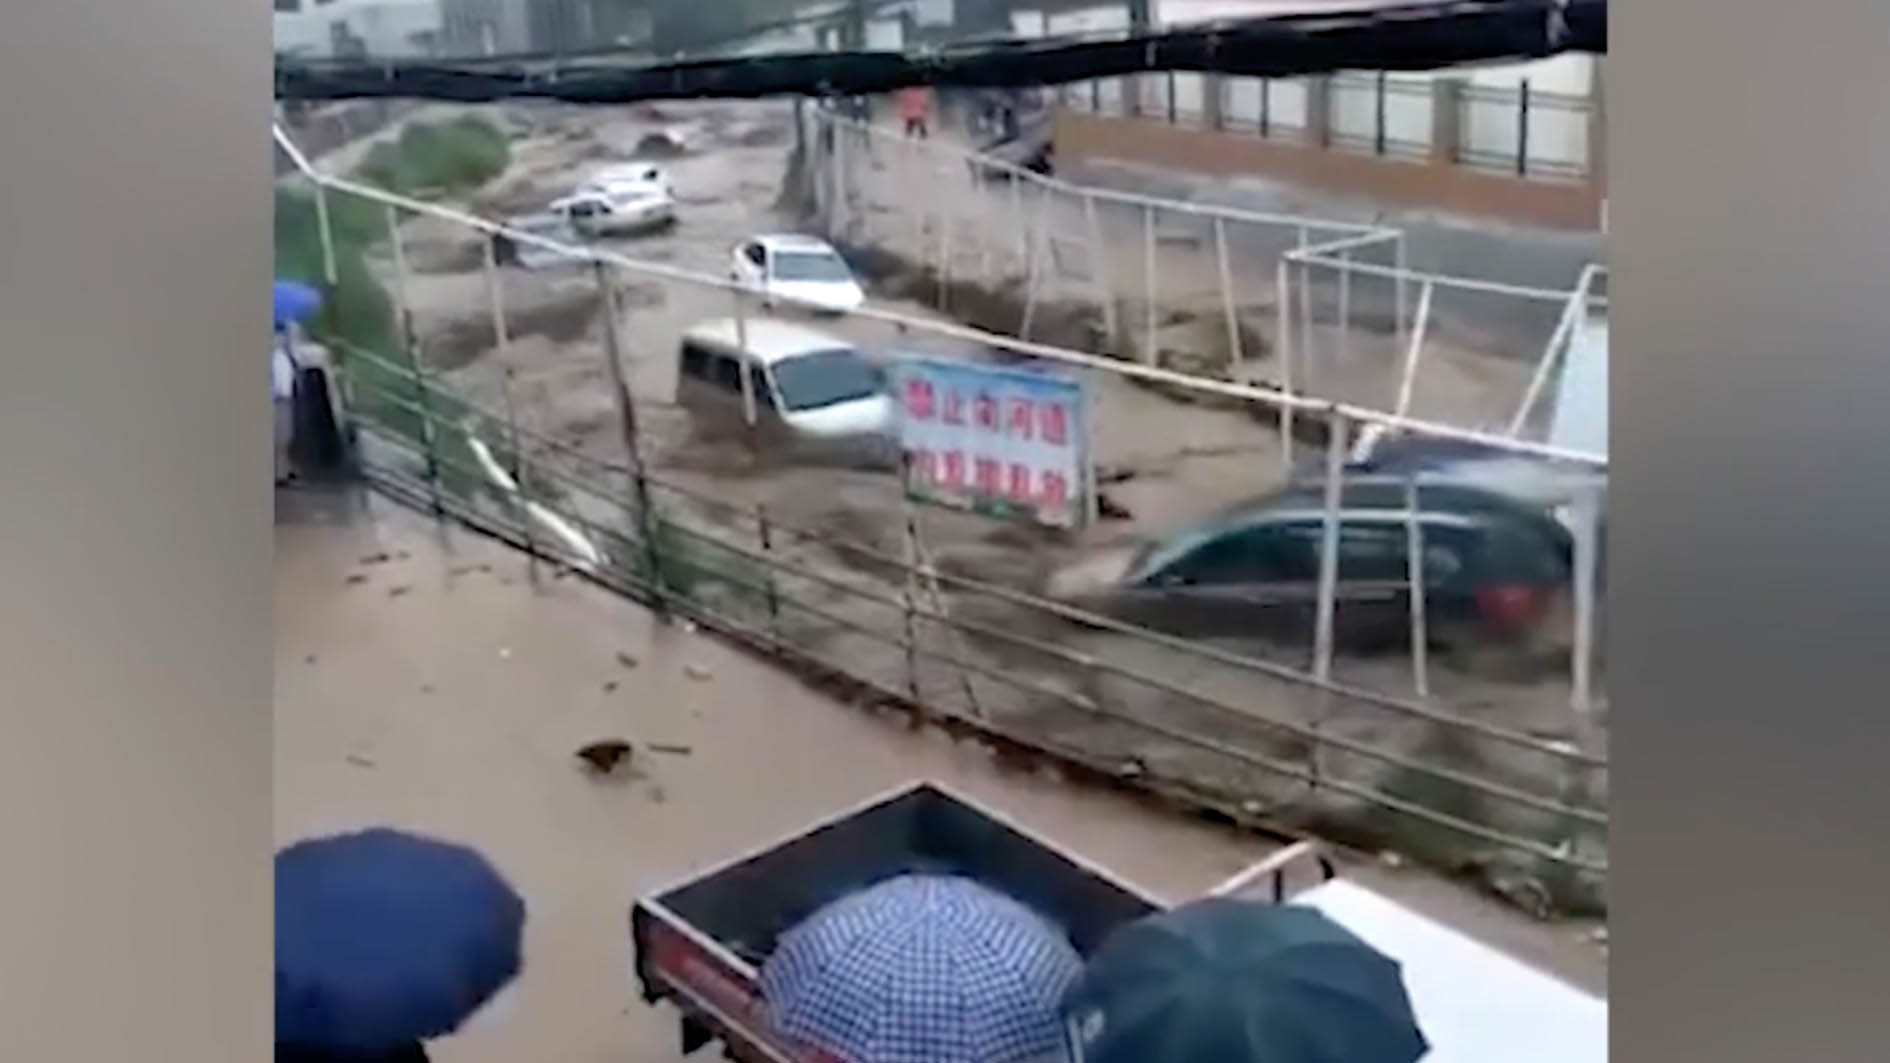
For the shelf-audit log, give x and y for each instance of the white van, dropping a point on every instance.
(815, 397)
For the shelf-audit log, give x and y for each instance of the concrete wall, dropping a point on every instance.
(1428, 183)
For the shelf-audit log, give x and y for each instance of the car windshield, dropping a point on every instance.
(822, 266)
(825, 378)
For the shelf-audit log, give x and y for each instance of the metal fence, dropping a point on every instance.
(1283, 745)
(1521, 131)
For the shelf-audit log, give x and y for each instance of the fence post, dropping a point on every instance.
(1283, 355)
(1228, 306)
(409, 345)
(1414, 568)
(1407, 373)
(627, 420)
(1099, 267)
(1266, 108)
(1336, 432)
(1522, 128)
(1172, 107)
(330, 274)
(773, 591)
(1378, 115)
(1151, 352)
(1345, 303)
(501, 341)
(1327, 605)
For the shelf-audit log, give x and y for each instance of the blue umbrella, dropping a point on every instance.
(293, 301)
(922, 969)
(385, 938)
(1238, 982)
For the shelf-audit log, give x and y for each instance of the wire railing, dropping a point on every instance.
(980, 654)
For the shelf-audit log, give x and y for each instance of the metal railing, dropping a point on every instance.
(1522, 131)
(986, 656)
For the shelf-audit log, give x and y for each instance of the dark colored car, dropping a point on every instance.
(1495, 570)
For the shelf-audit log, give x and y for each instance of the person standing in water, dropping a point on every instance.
(915, 105)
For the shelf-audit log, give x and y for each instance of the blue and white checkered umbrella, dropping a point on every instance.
(923, 969)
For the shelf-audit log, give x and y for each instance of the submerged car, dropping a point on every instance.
(816, 398)
(800, 271)
(620, 208)
(1495, 571)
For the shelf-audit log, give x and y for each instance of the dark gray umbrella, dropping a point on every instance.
(1226, 981)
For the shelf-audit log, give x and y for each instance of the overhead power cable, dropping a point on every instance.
(1405, 38)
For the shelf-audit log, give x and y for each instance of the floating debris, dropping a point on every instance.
(610, 686)
(626, 660)
(355, 579)
(395, 592)
(673, 750)
(360, 761)
(606, 755)
(698, 672)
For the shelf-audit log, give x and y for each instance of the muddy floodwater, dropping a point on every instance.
(1162, 460)
(422, 682)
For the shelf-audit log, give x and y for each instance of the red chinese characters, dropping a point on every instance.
(954, 468)
(1020, 422)
(985, 412)
(988, 476)
(1017, 486)
(920, 399)
(1053, 423)
(1056, 489)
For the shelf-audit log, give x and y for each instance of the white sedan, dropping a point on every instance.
(798, 270)
(617, 208)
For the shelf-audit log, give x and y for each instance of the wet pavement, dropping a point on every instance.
(422, 682)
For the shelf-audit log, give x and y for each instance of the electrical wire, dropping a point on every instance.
(1406, 38)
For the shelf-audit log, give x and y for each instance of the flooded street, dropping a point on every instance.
(422, 683)
(1231, 730)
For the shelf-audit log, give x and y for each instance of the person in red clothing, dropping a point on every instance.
(915, 105)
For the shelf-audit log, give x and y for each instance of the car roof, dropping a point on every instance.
(792, 242)
(769, 340)
(1437, 503)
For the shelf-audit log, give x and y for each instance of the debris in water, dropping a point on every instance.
(657, 795)
(697, 672)
(395, 592)
(606, 755)
(310, 659)
(626, 660)
(610, 686)
(360, 761)
(673, 750)
(355, 579)
(376, 559)
(426, 688)
(1109, 509)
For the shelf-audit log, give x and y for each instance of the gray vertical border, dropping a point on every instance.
(1749, 231)
(135, 555)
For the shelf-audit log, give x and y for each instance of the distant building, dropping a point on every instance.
(395, 29)
(502, 27)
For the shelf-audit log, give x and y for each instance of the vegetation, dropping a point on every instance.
(358, 318)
